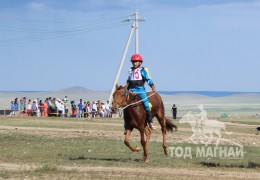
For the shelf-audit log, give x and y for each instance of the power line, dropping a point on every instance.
(6, 18)
(58, 33)
(23, 29)
(54, 36)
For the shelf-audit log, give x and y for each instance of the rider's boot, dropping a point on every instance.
(150, 120)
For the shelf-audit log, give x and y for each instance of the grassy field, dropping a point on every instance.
(57, 148)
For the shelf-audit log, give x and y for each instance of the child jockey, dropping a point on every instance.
(137, 77)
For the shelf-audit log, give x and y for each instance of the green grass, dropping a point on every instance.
(17, 148)
(50, 152)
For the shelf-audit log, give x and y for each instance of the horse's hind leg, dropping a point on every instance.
(163, 126)
(144, 144)
(164, 143)
(127, 136)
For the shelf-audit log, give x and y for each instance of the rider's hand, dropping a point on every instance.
(153, 89)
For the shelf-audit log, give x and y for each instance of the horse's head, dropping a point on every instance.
(120, 97)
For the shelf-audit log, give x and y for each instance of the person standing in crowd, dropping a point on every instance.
(21, 106)
(34, 109)
(45, 107)
(29, 108)
(66, 106)
(65, 98)
(60, 107)
(84, 109)
(41, 107)
(88, 109)
(94, 109)
(56, 103)
(25, 105)
(16, 105)
(49, 105)
(174, 111)
(77, 112)
(38, 101)
(73, 109)
(53, 106)
(12, 108)
(102, 109)
(107, 110)
(80, 108)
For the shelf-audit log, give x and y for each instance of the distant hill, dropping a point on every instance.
(75, 93)
(76, 90)
(209, 93)
(184, 100)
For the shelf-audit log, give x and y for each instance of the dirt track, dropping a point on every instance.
(168, 173)
(248, 139)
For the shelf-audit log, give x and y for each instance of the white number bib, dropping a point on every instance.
(135, 74)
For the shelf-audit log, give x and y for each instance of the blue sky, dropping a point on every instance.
(188, 45)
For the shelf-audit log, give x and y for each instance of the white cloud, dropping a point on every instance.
(36, 6)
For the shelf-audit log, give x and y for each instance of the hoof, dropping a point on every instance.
(137, 148)
(146, 160)
(166, 152)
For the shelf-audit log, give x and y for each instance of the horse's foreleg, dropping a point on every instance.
(127, 136)
(148, 136)
(145, 145)
(147, 133)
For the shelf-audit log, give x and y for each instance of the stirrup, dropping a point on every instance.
(152, 126)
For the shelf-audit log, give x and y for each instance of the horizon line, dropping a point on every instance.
(228, 91)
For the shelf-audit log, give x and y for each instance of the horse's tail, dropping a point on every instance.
(169, 125)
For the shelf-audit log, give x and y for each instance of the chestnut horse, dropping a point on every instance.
(135, 117)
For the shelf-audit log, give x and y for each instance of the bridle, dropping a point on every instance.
(138, 101)
(125, 94)
(127, 97)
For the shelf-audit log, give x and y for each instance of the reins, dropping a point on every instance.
(138, 101)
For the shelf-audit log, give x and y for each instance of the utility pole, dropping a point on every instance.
(136, 32)
(134, 27)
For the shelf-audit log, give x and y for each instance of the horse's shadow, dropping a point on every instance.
(80, 158)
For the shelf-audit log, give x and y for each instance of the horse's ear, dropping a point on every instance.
(126, 87)
(117, 86)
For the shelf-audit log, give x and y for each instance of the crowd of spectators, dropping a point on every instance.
(61, 108)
